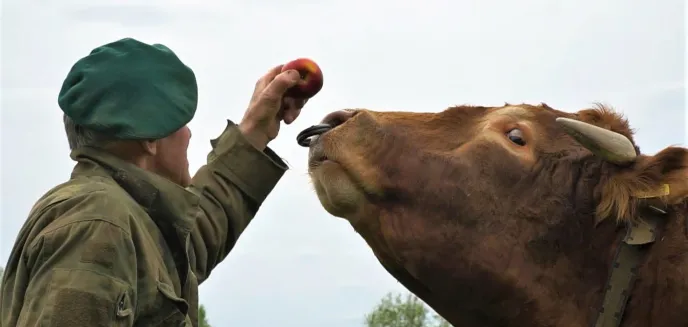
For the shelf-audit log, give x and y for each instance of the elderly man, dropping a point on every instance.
(128, 239)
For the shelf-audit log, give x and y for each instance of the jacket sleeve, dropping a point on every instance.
(81, 274)
(232, 186)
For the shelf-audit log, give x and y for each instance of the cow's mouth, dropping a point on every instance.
(318, 161)
(317, 155)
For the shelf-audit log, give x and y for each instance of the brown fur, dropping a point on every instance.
(491, 234)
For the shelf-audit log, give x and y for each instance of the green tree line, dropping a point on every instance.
(393, 310)
(202, 319)
(403, 310)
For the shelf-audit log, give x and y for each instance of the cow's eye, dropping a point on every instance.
(516, 136)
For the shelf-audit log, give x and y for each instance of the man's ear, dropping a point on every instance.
(662, 178)
(149, 147)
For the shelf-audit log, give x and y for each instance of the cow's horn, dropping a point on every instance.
(611, 146)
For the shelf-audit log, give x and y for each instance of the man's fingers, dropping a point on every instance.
(302, 103)
(292, 109)
(291, 115)
(268, 99)
(280, 84)
(268, 77)
(299, 103)
(295, 103)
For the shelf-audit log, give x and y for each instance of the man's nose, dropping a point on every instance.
(338, 117)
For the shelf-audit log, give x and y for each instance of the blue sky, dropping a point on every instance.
(297, 266)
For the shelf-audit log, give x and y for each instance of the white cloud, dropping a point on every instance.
(296, 265)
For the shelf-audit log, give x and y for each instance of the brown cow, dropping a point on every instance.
(497, 216)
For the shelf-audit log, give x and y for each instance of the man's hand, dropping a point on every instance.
(268, 107)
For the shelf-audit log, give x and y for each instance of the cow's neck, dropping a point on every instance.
(658, 297)
(604, 303)
(570, 289)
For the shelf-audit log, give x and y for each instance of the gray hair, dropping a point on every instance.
(78, 136)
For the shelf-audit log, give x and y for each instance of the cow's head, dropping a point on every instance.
(492, 214)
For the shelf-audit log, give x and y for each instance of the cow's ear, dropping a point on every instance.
(662, 179)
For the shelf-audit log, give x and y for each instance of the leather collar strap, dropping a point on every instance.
(630, 254)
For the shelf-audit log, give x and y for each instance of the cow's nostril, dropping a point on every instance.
(338, 117)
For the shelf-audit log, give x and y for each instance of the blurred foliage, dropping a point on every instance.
(397, 310)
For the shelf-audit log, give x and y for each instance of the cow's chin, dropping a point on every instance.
(338, 193)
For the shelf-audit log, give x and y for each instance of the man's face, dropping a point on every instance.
(171, 159)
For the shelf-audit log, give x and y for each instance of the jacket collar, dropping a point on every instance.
(166, 202)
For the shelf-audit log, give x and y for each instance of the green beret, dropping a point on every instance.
(130, 90)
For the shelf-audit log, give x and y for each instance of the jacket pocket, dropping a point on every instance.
(79, 297)
(174, 309)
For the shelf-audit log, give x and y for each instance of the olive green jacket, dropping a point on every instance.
(119, 246)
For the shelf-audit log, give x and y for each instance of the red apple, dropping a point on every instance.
(311, 78)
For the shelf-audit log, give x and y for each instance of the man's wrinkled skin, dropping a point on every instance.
(128, 239)
(496, 217)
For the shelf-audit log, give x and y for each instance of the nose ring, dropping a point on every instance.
(304, 138)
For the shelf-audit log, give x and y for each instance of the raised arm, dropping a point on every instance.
(232, 186)
(241, 171)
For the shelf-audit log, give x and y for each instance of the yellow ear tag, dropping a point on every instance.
(662, 191)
